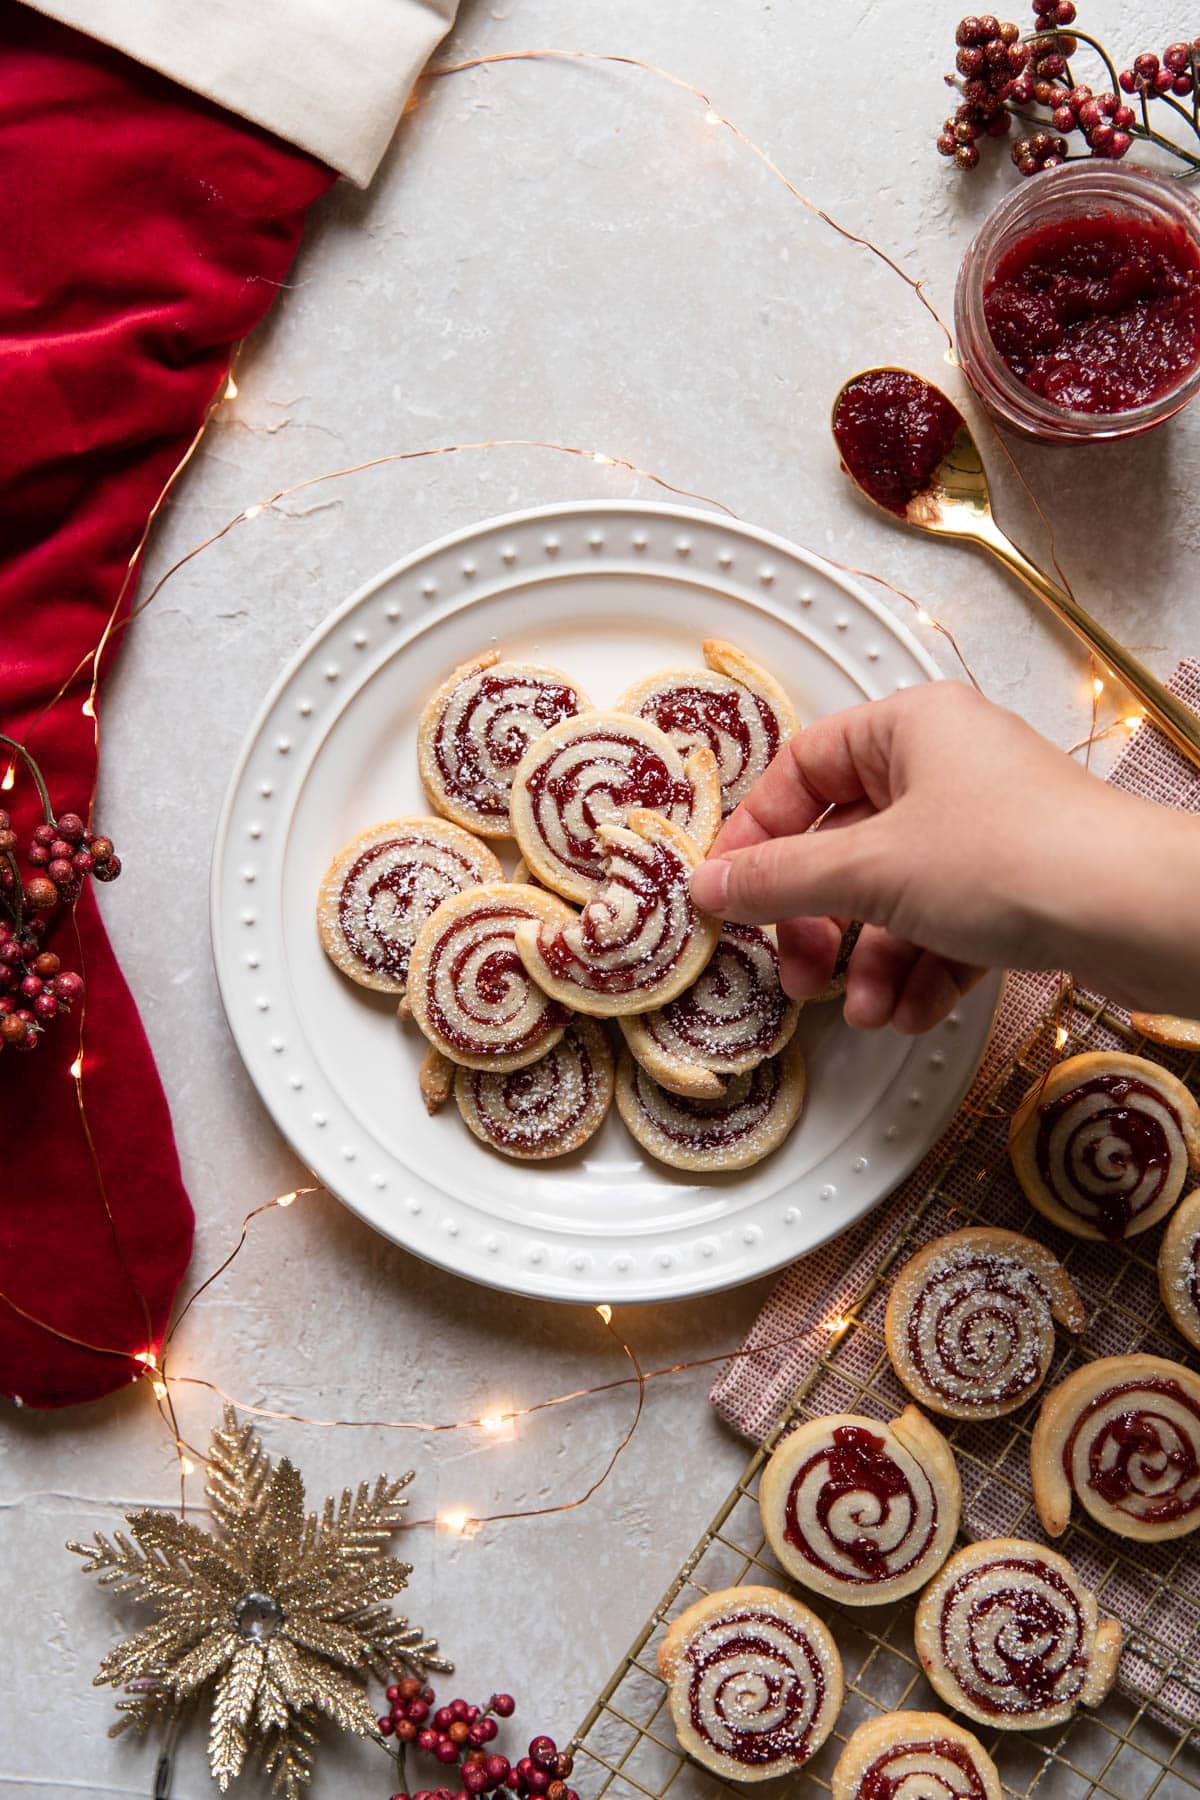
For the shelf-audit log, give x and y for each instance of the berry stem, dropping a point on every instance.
(15, 907)
(31, 765)
(1102, 53)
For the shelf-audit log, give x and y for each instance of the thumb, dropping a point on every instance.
(851, 873)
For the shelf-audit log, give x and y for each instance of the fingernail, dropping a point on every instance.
(710, 885)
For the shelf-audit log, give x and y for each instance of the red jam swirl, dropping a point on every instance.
(477, 746)
(1146, 1152)
(789, 1696)
(860, 1464)
(545, 1101)
(407, 888)
(714, 1124)
(983, 1314)
(1135, 1449)
(730, 1011)
(660, 921)
(890, 1775)
(598, 791)
(1099, 312)
(479, 958)
(1037, 1639)
(719, 719)
(892, 430)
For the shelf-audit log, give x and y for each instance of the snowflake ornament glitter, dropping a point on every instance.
(282, 1612)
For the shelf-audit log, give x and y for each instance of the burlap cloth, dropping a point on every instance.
(1153, 1589)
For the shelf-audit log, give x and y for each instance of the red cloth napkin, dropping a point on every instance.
(1151, 1588)
(143, 231)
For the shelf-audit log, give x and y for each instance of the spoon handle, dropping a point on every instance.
(1175, 720)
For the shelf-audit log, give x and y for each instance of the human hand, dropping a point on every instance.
(963, 841)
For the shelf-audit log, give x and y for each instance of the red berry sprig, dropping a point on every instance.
(1000, 75)
(35, 989)
(457, 1735)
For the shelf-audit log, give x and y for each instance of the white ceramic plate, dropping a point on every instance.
(608, 592)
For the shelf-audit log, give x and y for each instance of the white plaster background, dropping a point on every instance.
(569, 253)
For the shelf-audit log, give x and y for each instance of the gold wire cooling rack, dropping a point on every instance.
(1140, 1743)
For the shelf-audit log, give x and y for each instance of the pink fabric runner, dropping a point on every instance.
(966, 1178)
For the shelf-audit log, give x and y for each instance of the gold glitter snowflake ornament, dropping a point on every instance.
(283, 1613)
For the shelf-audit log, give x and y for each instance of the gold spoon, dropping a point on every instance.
(956, 503)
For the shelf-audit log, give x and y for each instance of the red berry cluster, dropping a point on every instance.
(994, 65)
(1175, 73)
(34, 986)
(458, 1735)
(999, 75)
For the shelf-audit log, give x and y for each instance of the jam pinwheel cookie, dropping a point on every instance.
(592, 771)
(734, 1015)
(1121, 1435)
(1179, 1268)
(754, 1682)
(733, 708)
(752, 1117)
(468, 988)
(970, 1321)
(379, 891)
(914, 1756)
(640, 938)
(836, 986)
(1103, 1145)
(861, 1511)
(475, 729)
(1168, 1028)
(1009, 1635)
(547, 1108)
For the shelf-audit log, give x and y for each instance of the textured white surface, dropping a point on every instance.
(551, 252)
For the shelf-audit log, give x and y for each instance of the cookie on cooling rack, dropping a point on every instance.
(754, 1682)
(1009, 1634)
(1103, 1144)
(379, 890)
(1122, 1436)
(1179, 1268)
(733, 708)
(862, 1511)
(914, 1756)
(477, 726)
(970, 1321)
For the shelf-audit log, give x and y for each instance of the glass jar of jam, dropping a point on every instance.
(1077, 308)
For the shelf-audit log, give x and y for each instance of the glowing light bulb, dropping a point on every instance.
(148, 1357)
(160, 1389)
(286, 1199)
(10, 775)
(493, 1421)
(1097, 687)
(711, 117)
(76, 1069)
(923, 617)
(598, 456)
(231, 389)
(252, 512)
(455, 1522)
(1132, 722)
(186, 1464)
(1060, 1037)
(88, 709)
(605, 1313)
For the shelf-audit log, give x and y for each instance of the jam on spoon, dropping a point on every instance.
(893, 431)
(1099, 312)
